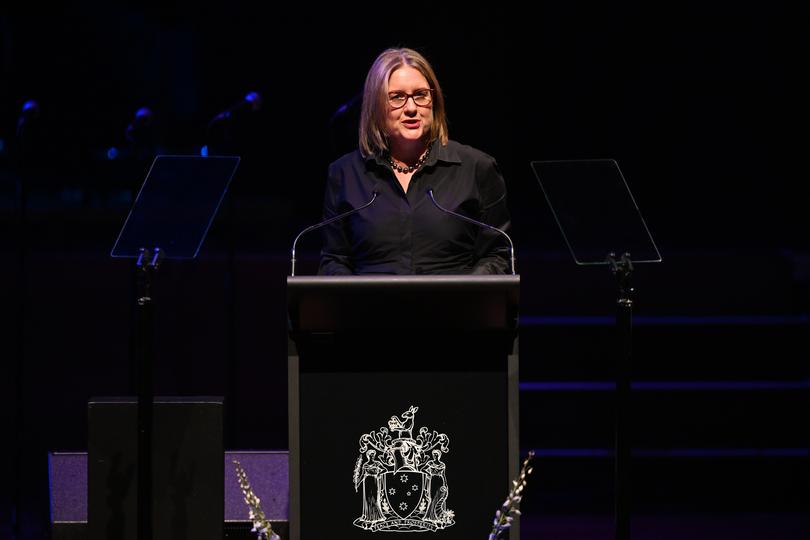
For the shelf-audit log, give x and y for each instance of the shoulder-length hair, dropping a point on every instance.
(373, 138)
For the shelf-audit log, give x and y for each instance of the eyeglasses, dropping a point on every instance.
(421, 98)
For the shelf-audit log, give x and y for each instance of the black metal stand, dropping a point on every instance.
(622, 270)
(147, 264)
(19, 352)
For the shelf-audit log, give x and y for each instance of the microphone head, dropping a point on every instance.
(30, 109)
(429, 193)
(28, 114)
(254, 99)
(139, 130)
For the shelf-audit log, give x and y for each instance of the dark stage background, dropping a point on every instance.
(703, 107)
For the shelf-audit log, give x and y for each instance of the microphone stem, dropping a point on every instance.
(480, 224)
(325, 223)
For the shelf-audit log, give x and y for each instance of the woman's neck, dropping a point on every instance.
(409, 154)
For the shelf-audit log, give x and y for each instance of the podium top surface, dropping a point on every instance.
(459, 302)
(409, 282)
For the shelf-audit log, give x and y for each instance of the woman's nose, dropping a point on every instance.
(410, 104)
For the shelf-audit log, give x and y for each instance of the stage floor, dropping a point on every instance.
(770, 526)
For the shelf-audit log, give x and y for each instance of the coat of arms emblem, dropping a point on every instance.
(402, 478)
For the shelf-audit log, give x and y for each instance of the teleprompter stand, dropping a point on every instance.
(602, 226)
(169, 220)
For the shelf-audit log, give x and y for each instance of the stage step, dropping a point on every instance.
(267, 472)
(581, 415)
(685, 283)
(582, 484)
(718, 402)
(667, 347)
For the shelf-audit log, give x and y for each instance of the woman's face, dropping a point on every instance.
(410, 123)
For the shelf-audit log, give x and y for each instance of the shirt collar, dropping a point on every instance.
(438, 152)
(444, 153)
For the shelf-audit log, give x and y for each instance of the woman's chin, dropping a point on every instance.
(412, 135)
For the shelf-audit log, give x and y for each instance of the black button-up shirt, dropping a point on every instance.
(403, 232)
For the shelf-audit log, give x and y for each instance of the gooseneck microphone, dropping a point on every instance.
(332, 219)
(252, 103)
(476, 222)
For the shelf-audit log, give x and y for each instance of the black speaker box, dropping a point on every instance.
(187, 457)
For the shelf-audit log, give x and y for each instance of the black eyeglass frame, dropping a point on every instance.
(411, 96)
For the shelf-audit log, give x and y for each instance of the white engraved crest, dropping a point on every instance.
(403, 478)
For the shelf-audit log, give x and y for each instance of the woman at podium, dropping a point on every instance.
(404, 152)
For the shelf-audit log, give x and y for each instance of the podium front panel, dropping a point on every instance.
(400, 444)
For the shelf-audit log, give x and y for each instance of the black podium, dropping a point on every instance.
(403, 403)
